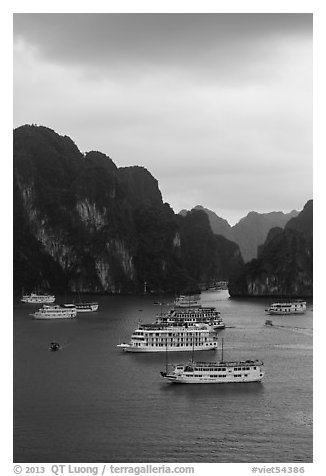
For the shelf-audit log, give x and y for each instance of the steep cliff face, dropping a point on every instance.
(82, 224)
(284, 266)
(219, 226)
(200, 249)
(250, 232)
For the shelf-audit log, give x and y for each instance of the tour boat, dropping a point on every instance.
(86, 306)
(206, 315)
(46, 312)
(34, 298)
(239, 371)
(176, 338)
(216, 372)
(187, 301)
(283, 308)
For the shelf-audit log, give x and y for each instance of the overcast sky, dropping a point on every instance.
(218, 107)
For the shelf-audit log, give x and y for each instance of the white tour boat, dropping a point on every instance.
(282, 308)
(66, 311)
(163, 338)
(86, 306)
(34, 298)
(206, 315)
(216, 372)
(187, 300)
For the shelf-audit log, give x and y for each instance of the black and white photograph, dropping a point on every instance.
(162, 180)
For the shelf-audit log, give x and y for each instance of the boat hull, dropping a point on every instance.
(86, 307)
(188, 348)
(282, 313)
(189, 380)
(219, 326)
(38, 300)
(52, 318)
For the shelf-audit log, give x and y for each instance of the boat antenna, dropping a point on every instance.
(166, 353)
(193, 348)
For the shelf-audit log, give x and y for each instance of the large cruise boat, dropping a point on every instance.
(176, 338)
(34, 298)
(187, 300)
(206, 315)
(282, 308)
(56, 312)
(218, 372)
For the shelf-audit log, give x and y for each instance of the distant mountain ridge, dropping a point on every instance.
(250, 232)
(284, 266)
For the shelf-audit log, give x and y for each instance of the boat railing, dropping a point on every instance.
(228, 364)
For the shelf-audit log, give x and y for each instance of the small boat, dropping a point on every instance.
(54, 346)
(47, 312)
(215, 372)
(34, 298)
(268, 322)
(283, 308)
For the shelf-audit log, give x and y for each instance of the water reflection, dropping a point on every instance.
(198, 390)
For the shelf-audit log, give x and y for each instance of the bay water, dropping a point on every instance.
(91, 402)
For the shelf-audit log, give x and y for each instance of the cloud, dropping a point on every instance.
(220, 104)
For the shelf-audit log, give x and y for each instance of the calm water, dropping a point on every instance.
(90, 402)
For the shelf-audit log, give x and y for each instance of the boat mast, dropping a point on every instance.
(193, 348)
(166, 353)
(222, 349)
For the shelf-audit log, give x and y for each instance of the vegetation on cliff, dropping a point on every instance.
(250, 232)
(284, 266)
(82, 224)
